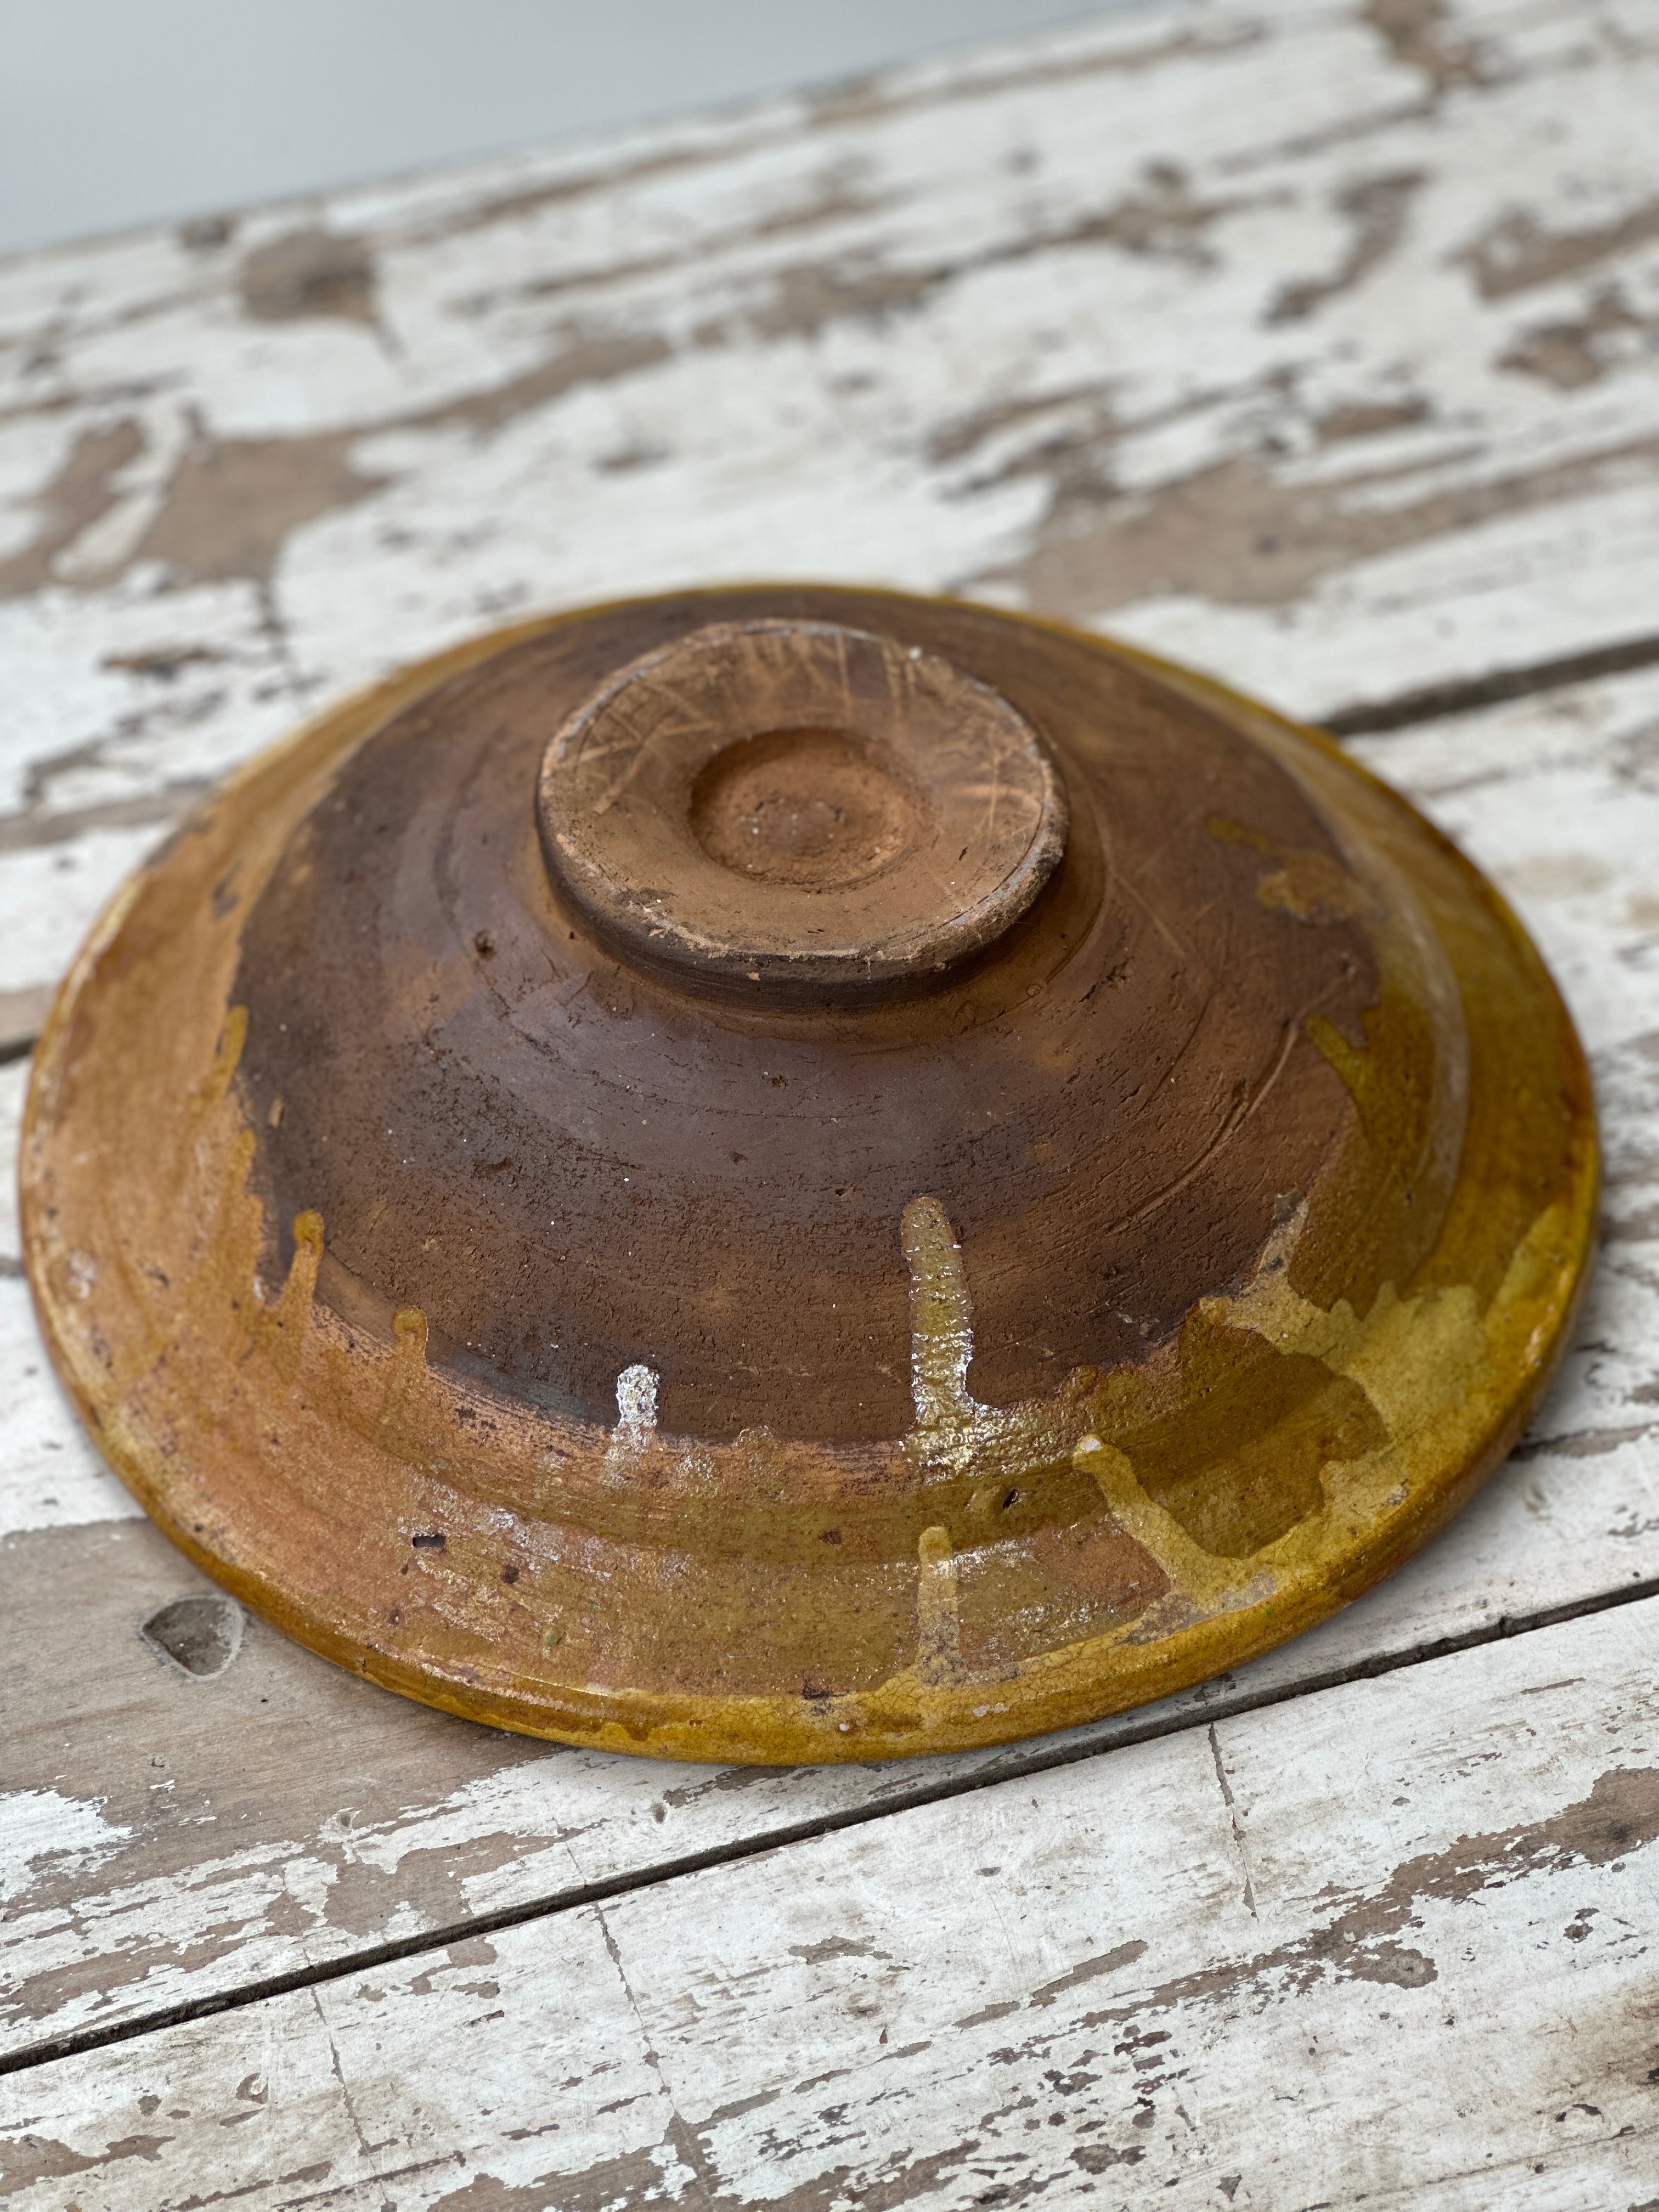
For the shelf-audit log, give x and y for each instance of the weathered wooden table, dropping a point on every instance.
(1314, 343)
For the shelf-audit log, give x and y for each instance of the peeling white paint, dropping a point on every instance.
(46, 1836)
(926, 445)
(1328, 1896)
(51, 1474)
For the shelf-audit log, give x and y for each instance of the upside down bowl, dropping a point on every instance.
(798, 1174)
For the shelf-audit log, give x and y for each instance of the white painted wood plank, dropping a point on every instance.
(1383, 1945)
(246, 1868)
(51, 1474)
(1018, 326)
(575, 379)
(1318, 353)
(1406, 1949)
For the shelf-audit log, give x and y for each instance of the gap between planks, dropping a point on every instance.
(1464, 696)
(1021, 1762)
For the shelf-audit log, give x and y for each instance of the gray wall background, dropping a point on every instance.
(114, 112)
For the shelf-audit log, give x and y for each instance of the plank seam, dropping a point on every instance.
(1019, 1763)
(1465, 695)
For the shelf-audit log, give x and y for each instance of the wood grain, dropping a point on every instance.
(1385, 1945)
(1272, 336)
(1312, 343)
(248, 1866)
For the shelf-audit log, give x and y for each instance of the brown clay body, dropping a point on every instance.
(804, 1174)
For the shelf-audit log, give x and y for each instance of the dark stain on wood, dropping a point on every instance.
(26, 2159)
(163, 662)
(583, 357)
(1164, 217)
(1234, 531)
(1364, 1941)
(77, 494)
(1369, 418)
(309, 273)
(1518, 251)
(1377, 207)
(1161, 218)
(1419, 33)
(234, 502)
(1574, 352)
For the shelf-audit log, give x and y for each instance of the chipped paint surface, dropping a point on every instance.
(1062, 1982)
(1246, 375)
(45, 1835)
(944, 330)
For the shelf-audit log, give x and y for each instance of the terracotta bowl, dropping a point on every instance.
(804, 1174)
